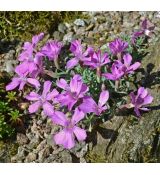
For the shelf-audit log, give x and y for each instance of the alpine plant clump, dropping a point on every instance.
(87, 87)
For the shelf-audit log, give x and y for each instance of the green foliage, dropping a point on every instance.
(15, 116)
(11, 96)
(9, 114)
(23, 25)
(5, 129)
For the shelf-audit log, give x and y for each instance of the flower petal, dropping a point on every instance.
(88, 105)
(34, 82)
(62, 83)
(48, 109)
(13, 84)
(79, 133)
(147, 100)
(46, 88)
(127, 59)
(134, 66)
(104, 96)
(77, 116)
(34, 107)
(65, 138)
(22, 84)
(72, 63)
(52, 95)
(33, 96)
(59, 118)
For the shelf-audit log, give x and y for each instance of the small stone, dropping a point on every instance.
(79, 22)
(31, 157)
(41, 145)
(22, 139)
(44, 153)
(62, 28)
(68, 37)
(66, 157)
(57, 35)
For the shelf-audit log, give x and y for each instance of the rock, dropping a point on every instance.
(22, 139)
(57, 36)
(21, 153)
(68, 37)
(66, 156)
(79, 22)
(122, 139)
(62, 28)
(41, 146)
(31, 157)
(44, 153)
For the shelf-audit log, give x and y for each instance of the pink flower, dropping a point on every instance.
(73, 92)
(52, 49)
(116, 73)
(97, 60)
(66, 137)
(118, 46)
(77, 49)
(140, 100)
(20, 81)
(125, 64)
(43, 100)
(121, 68)
(31, 60)
(89, 105)
(146, 30)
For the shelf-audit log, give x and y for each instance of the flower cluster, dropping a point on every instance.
(73, 98)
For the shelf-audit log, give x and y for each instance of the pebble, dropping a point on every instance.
(79, 22)
(22, 139)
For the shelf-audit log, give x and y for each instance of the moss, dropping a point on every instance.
(22, 25)
(94, 158)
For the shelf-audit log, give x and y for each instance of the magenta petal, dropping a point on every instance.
(104, 96)
(46, 88)
(148, 99)
(37, 38)
(62, 83)
(65, 138)
(88, 105)
(79, 133)
(59, 118)
(127, 60)
(52, 95)
(109, 76)
(13, 84)
(48, 109)
(32, 96)
(34, 82)
(137, 112)
(60, 137)
(135, 66)
(34, 107)
(72, 63)
(22, 84)
(76, 84)
(77, 116)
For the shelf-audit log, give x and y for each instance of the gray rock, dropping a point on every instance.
(68, 37)
(79, 22)
(62, 28)
(22, 139)
(31, 157)
(44, 153)
(57, 35)
(66, 157)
